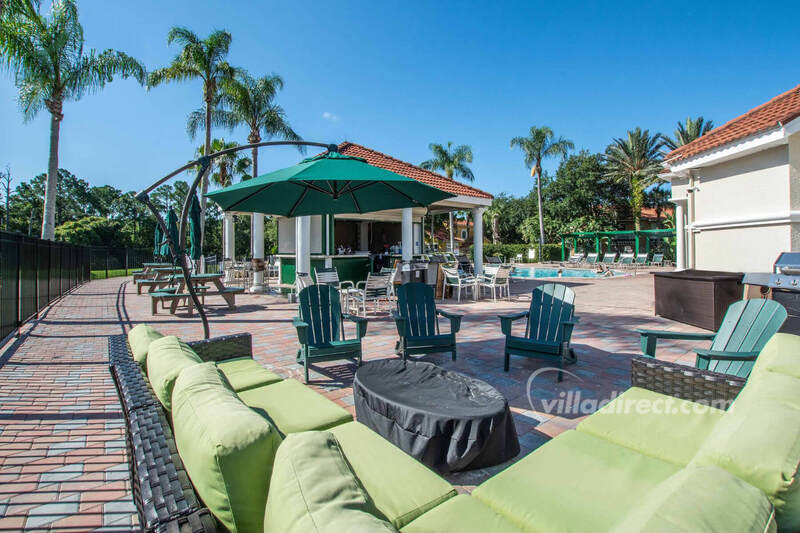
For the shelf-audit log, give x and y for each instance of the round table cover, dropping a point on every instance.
(444, 419)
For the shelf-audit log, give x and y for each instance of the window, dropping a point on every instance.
(463, 234)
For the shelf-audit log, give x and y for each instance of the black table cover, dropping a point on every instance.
(446, 420)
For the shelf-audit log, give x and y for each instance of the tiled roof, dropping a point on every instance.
(778, 111)
(433, 179)
(649, 213)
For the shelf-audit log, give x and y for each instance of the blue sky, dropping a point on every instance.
(396, 76)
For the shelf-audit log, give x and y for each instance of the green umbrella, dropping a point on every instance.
(327, 184)
(159, 238)
(172, 230)
(194, 230)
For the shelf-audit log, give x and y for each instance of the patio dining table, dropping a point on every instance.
(147, 270)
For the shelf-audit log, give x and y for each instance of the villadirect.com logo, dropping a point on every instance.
(573, 403)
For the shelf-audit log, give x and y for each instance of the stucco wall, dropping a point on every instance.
(751, 249)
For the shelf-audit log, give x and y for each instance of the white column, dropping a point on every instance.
(450, 224)
(228, 239)
(408, 234)
(364, 240)
(302, 240)
(680, 237)
(257, 247)
(477, 244)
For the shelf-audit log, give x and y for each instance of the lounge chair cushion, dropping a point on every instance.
(244, 373)
(166, 358)
(292, 407)
(464, 514)
(781, 354)
(703, 499)
(228, 449)
(313, 489)
(654, 424)
(758, 440)
(575, 482)
(139, 339)
(401, 487)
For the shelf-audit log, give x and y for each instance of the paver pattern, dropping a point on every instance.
(62, 448)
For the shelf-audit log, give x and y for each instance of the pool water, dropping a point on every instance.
(532, 273)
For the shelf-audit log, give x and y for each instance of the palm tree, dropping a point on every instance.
(636, 161)
(453, 162)
(50, 66)
(202, 59)
(540, 144)
(686, 133)
(247, 101)
(228, 166)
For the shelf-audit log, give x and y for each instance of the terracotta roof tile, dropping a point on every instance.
(433, 179)
(778, 111)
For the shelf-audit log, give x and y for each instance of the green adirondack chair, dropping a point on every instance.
(548, 329)
(416, 318)
(745, 329)
(320, 328)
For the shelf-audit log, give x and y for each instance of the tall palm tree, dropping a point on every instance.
(202, 59)
(539, 145)
(636, 161)
(453, 162)
(247, 101)
(686, 133)
(229, 166)
(50, 66)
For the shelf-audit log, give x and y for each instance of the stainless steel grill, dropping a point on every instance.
(782, 285)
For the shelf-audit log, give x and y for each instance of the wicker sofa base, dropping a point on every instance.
(685, 382)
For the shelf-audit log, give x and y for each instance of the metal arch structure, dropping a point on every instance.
(178, 249)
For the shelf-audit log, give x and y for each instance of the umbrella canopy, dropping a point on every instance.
(195, 250)
(159, 239)
(327, 184)
(172, 229)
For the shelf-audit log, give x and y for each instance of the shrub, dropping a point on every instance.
(551, 252)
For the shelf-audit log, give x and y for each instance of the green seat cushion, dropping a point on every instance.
(401, 487)
(166, 358)
(574, 482)
(525, 344)
(227, 448)
(244, 373)
(654, 424)
(701, 499)
(464, 514)
(781, 354)
(313, 489)
(758, 440)
(292, 407)
(139, 339)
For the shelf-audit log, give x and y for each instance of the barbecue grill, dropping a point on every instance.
(782, 285)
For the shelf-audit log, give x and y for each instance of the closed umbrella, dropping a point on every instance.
(195, 250)
(159, 239)
(329, 183)
(172, 230)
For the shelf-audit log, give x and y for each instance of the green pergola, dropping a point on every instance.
(598, 235)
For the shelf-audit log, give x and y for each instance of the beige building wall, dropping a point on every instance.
(747, 249)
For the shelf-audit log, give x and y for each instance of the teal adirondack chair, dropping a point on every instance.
(548, 330)
(417, 321)
(320, 328)
(745, 329)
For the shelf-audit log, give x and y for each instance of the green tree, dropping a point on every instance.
(103, 198)
(539, 145)
(92, 231)
(229, 166)
(453, 162)
(657, 198)
(686, 133)
(50, 66)
(635, 161)
(202, 59)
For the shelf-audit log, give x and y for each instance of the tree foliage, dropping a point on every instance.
(687, 132)
(452, 160)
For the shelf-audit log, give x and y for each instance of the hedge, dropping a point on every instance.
(551, 252)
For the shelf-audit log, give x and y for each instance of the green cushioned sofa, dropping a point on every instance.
(644, 462)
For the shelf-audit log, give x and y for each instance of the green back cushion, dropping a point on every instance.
(758, 440)
(702, 499)
(226, 447)
(313, 489)
(166, 358)
(139, 339)
(781, 355)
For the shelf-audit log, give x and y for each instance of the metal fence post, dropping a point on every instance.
(108, 251)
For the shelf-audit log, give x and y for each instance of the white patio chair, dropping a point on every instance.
(499, 280)
(374, 289)
(330, 276)
(454, 279)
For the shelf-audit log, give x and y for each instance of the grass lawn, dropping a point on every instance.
(116, 273)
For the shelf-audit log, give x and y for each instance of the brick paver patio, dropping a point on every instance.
(62, 457)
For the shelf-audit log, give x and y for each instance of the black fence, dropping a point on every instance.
(34, 272)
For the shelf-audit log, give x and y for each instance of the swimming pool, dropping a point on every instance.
(532, 273)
